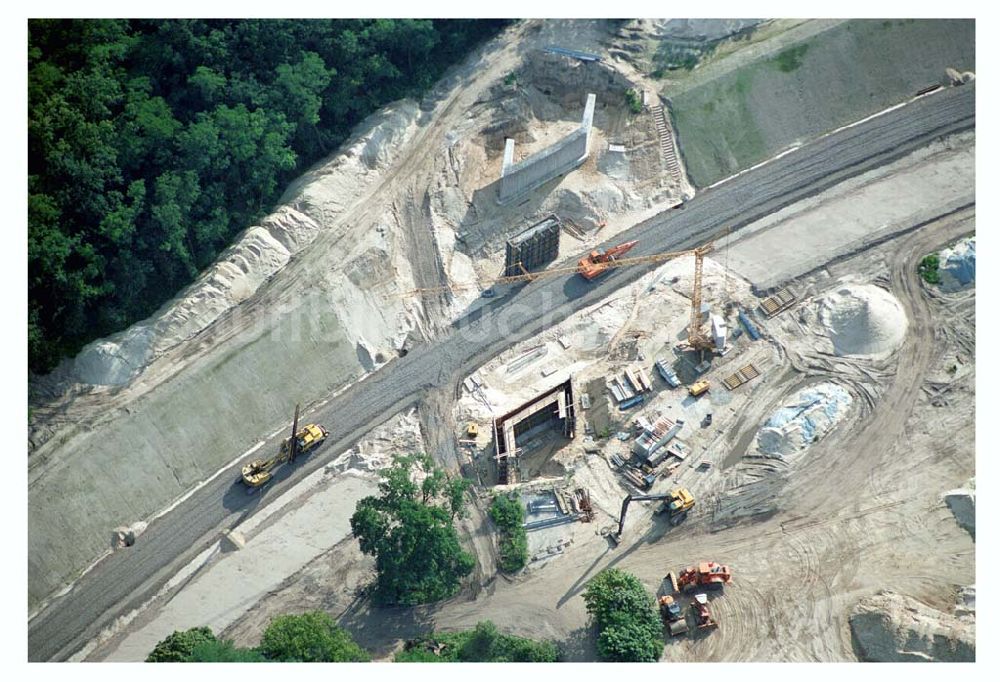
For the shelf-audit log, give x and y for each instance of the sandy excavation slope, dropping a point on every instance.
(306, 303)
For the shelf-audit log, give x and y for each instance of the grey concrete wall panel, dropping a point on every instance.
(517, 179)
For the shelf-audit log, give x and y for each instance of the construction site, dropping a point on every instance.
(737, 383)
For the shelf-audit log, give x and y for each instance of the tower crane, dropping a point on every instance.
(595, 264)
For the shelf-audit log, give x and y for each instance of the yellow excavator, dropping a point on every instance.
(259, 472)
(677, 503)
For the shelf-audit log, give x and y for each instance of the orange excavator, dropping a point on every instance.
(707, 574)
(595, 263)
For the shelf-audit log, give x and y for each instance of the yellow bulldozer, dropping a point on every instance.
(259, 472)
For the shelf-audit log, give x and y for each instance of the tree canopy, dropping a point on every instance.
(409, 530)
(177, 647)
(309, 637)
(152, 143)
(626, 618)
(223, 651)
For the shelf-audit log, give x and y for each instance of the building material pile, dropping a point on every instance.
(803, 420)
(957, 265)
(652, 440)
(962, 503)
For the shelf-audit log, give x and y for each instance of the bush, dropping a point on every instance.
(633, 101)
(309, 637)
(624, 613)
(483, 644)
(223, 652)
(630, 642)
(929, 269)
(791, 59)
(507, 512)
(178, 647)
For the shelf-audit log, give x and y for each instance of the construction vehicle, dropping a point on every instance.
(677, 503)
(698, 388)
(707, 574)
(673, 615)
(259, 472)
(472, 430)
(595, 263)
(703, 617)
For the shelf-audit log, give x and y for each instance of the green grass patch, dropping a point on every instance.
(791, 59)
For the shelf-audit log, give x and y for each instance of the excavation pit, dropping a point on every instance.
(527, 436)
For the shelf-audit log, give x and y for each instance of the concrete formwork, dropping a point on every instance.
(533, 248)
(519, 178)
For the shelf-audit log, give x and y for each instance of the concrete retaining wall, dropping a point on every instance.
(517, 179)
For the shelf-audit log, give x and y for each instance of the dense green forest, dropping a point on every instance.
(152, 143)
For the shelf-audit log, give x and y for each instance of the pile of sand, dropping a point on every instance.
(863, 321)
(803, 420)
(958, 265)
(895, 628)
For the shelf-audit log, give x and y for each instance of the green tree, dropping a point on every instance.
(309, 637)
(216, 651)
(630, 642)
(299, 95)
(409, 530)
(177, 647)
(625, 616)
(508, 514)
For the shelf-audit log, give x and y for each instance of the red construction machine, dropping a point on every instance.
(707, 574)
(596, 263)
(703, 616)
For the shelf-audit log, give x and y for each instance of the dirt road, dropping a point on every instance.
(126, 579)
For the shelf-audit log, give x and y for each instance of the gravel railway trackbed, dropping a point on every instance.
(125, 580)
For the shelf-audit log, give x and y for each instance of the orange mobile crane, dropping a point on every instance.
(595, 263)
